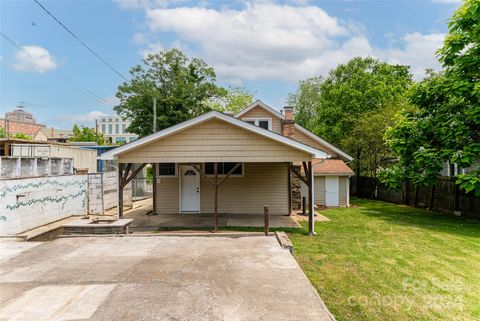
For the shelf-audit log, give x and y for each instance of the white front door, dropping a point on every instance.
(331, 191)
(189, 189)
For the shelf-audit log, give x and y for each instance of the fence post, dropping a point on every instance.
(266, 221)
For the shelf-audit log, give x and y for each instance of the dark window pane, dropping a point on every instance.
(222, 169)
(250, 122)
(166, 169)
(263, 124)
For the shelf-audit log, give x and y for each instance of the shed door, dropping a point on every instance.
(190, 189)
(331, 191)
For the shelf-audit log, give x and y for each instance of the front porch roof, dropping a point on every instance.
(286, 150)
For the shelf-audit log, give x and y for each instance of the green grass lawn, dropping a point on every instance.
(380, 261)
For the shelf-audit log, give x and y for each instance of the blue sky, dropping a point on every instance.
(265, 46)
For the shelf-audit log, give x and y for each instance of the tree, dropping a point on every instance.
(446, 126)
(3, 133)
(353, 105)
(86, 134)
(182, 87)
(232, 99)
(305, 100)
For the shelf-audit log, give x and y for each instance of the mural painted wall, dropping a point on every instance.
(29, 203)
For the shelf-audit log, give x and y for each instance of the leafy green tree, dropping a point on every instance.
(3, 133)
(232, 99)
(305, 100)
(182, 87)
(353, 105)
(86, 134)
(446, 126)
(21, 136)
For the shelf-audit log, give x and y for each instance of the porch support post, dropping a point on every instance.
(154, 189)
(120, 190)
(216, 184)
(311, 214)
(215, 172)
(289, 182)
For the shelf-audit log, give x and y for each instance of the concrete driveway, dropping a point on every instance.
(154, 278)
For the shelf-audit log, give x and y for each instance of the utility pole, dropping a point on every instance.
(154, 165)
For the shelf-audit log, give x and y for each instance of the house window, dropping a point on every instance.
(124, 128)
(167, 169)
(265, 123)
(223, 169)
(117, 129)
(109, 128)
(104, 129)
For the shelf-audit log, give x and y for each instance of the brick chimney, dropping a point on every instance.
(288, 126)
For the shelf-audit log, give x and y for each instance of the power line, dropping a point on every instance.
(61, 75)
(78, 39)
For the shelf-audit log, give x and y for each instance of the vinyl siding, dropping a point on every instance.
(214, 141)
(318, 188)
(342, 186)
(262, 184)
(167, 195)
(302, 138)
(259, 112)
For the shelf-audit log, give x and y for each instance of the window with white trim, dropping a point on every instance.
(265, 123)
(223, 169)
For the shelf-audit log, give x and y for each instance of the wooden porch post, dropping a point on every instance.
(120, 190)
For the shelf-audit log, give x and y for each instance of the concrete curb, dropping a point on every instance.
(169, 234)
(284, 241)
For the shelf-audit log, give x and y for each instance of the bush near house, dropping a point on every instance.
(381, 261)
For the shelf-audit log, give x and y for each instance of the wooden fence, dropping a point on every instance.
(444, 196)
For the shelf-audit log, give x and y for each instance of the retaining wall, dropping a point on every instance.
(32, 202)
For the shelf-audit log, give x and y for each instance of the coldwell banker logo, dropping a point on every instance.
(433, 294)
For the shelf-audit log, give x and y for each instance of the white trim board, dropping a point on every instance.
(113, 154)
(262, 105)
(321, 141)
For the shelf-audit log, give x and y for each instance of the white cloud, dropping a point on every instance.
(34, 59)
(81, 118)
(418, 51)
(143, 4)
(151, 48)
(265, 40)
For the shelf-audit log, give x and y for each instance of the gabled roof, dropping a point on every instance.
(261, 104)
(112, 154)
(323, 142)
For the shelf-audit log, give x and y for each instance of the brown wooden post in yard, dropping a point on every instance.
(266, 220)
(120, 191)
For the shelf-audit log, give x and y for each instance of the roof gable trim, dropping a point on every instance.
(262, 105)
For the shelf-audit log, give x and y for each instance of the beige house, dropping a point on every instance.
(217, 163)
(332, 174)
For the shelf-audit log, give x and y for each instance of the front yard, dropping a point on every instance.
(380, 261)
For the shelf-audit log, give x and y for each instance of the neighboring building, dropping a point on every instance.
(114, 128)
(53, 135)
(257, 151)
(84, 160)
(20, 115)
